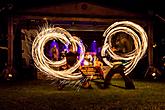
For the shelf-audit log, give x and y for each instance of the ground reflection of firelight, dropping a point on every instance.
(139, 37)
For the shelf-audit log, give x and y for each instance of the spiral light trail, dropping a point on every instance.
(46, 65)
(139, 37)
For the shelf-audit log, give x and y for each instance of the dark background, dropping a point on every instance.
(134, 5)
(154, 9)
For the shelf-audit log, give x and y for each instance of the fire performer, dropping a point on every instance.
(118, 67)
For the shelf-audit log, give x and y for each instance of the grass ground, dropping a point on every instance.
(40, 95)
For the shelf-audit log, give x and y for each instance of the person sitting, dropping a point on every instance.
(98, 66)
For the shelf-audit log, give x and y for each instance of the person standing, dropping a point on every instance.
(71, 56)
(55, 53)
(118, 68)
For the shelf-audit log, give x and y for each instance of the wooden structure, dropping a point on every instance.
(78, 16)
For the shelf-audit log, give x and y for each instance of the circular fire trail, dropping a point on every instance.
(46, 65)
(140, 41)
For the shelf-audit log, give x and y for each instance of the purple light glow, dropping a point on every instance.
(94, 46)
